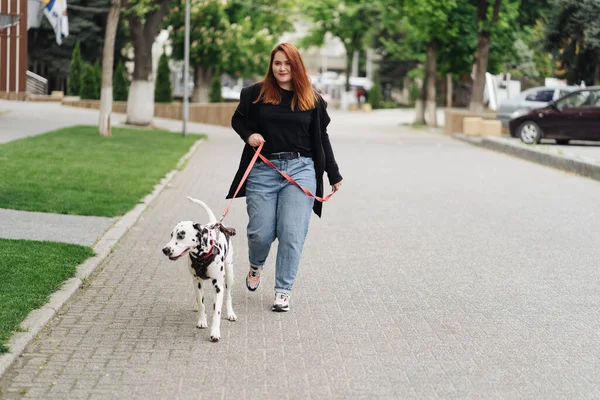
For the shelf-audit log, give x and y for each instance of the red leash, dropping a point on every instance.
(270, 164)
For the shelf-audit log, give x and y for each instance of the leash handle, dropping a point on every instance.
(270, 164)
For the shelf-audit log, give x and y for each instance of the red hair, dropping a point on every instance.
(305, 97)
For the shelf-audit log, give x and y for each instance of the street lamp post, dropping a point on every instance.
(186, 69)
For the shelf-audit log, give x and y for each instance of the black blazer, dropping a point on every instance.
(244, 123)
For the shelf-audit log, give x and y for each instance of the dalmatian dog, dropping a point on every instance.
(210, 255)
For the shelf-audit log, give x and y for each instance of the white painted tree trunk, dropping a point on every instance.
(419, 112)
(420, 103)
(106, 97)
(201, 92)
(140, 103)
(431, 113)
(202, 78)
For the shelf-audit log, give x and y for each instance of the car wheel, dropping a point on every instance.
(562, 141)
(529, 132)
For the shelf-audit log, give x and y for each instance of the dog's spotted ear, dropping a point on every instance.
(197, 227)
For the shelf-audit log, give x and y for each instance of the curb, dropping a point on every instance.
(535, 154)
(37, 319)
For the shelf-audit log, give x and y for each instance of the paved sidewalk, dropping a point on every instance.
(579, 157)
(74, 229)
(434, 273)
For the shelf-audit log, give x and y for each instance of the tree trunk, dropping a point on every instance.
(420, 104)
(202, 77)
(140, 102)
(480, 69)
(348, 69)
(483, 51)
(431, 67)
(449, 90)
(108, 54)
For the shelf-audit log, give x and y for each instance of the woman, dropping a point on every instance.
(284, 112)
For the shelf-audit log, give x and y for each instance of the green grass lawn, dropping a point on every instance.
(75, 171)
(29, 273)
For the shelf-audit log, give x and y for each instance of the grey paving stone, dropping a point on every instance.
(52, 227)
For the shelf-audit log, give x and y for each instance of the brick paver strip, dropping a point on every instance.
(440, 270)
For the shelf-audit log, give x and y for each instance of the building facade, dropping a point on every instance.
(13, 49)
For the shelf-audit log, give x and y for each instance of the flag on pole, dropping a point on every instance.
(56, 12)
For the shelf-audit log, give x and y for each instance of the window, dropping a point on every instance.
(580, 99)
(594, 100)
(562, 93)
(542, 96)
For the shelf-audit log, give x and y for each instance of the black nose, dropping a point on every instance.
(167, 251)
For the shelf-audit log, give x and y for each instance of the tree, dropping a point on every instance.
(348, 20)
(235, 38)
(485, 21)
(75, 70)
(145, 20)
(533, 11)
(120, 83)
(573, 37)
(262, 22)
(425, 22)
(87, 26)
(106, 94)
(88, 83)
(216, 88)
(521, 63)
(497, 18)
(163, 92)
(375, 95)
(209, 40)
(534, 39)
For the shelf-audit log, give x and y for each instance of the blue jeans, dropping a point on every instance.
(278, 209)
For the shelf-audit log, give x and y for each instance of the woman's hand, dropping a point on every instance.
(255, 139)
(336, 187)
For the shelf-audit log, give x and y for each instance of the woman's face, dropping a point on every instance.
(282, 70)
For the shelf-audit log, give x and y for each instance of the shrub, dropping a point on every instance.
(75, 71)
(88, 83)
(97, 80)
(120, 83)
(375, 95)
(163, 93)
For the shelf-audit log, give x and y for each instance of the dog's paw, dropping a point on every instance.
(232, 317)
(202, 324)
(215, 336)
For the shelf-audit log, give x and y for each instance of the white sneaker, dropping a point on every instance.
(282, 302)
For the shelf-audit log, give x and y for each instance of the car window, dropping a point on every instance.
(584, 98)
(562, 93)
(594, 100)
(542, 95)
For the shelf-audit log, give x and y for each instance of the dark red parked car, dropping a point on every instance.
(575, 116)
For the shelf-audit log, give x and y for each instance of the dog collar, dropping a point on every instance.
(210, 251)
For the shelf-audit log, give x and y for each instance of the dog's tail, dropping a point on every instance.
(211, 215)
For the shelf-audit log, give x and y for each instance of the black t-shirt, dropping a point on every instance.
(283, 129)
